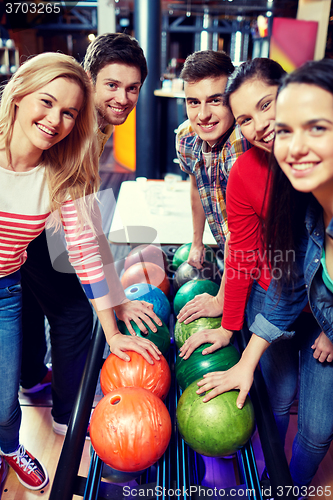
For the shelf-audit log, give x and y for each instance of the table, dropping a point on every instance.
(154, 212)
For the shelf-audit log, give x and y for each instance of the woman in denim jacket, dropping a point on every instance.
(302, 190)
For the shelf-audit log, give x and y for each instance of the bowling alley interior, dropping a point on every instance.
(138, 428)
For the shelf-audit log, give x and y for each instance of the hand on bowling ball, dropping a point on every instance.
(238, 377)
(196, 255)
(138, 311)
(120, 343)
(218, 337)
(202, 306)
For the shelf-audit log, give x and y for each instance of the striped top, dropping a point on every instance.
(24, 210)
(211, 171)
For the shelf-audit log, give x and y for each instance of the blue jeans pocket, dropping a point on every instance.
(14, 289)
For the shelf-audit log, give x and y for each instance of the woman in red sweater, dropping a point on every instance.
(250, 93)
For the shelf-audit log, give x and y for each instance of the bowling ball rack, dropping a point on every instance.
(180, 472)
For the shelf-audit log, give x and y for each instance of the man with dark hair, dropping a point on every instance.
(117, 68)
(114, 48)
(207, 145)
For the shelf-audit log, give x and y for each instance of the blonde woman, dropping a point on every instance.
(48, 164)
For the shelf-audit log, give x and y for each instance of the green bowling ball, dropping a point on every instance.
(193, 368)
(183, 332)
(161, 338)
(216, 428)
(192, 288)
(182, 253)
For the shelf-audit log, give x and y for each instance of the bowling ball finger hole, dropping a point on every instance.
(134, 289)
(115, 400)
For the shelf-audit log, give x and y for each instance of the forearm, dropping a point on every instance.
(253, 351)
(107, 320)
(237, 290)
(198, 214)
(92, 259)
(278, 312)
(220, 294)
(116, 290)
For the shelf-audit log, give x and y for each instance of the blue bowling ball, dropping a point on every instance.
(153, 295)
(117, 476)
(114, 475)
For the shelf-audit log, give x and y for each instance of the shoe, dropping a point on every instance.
(30, 472)
(3, 473)
(61, 429)
(41, 385)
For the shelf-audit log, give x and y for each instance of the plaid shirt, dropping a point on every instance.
(103, 137)
(211, 188)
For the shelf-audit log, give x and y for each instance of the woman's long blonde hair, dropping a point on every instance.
(72, 164)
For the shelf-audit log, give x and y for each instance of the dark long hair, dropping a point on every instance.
(287, 206)
(268, 71)
(260, 68)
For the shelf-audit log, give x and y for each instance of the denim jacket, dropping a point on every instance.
(280, 311)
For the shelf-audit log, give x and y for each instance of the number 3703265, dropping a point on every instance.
(32, 7)
(304, 491)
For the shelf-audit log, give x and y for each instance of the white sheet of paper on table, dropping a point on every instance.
(154, 212)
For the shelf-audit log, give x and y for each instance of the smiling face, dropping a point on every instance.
(304, 138)
(117, 91)
(253, 105)
(45, 117)
(209, 117)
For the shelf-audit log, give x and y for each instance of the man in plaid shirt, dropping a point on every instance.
(207, 146)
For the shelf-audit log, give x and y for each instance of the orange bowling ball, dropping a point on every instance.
(130, 429)
(146, 272)
(137, 372)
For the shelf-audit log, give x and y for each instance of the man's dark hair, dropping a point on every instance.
(206, 64)
(114, 48)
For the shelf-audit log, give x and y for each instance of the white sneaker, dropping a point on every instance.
(61, 429)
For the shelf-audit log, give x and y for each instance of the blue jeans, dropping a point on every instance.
(61, 298)
(285, 364)
(10, 361)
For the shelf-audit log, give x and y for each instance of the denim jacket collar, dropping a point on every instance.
(315, 224)
(277, 317)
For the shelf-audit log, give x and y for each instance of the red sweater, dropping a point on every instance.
(246, 202)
